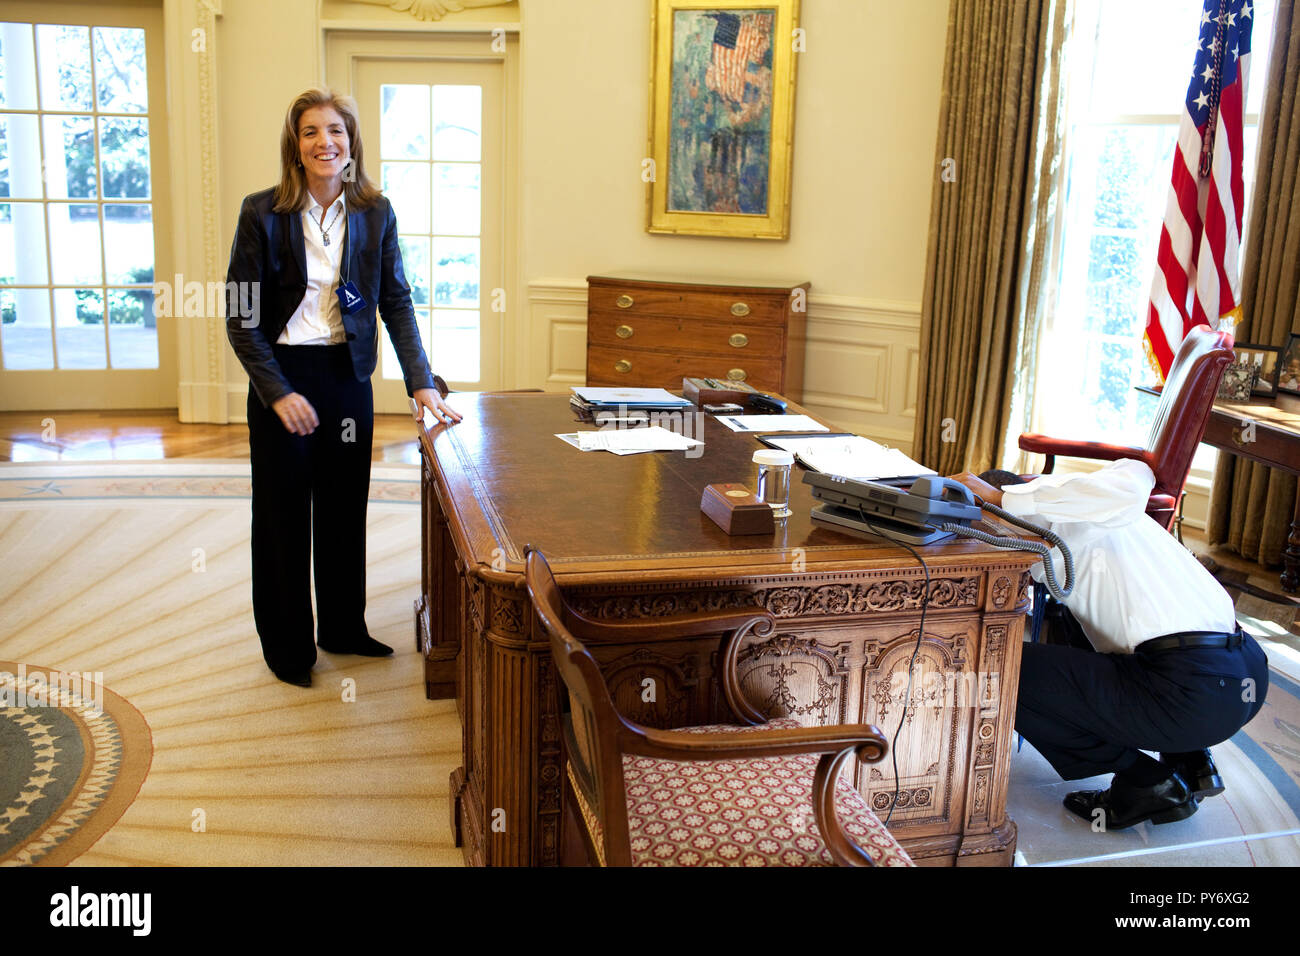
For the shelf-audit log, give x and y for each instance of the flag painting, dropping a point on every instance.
(720, 141)
(1197, 275)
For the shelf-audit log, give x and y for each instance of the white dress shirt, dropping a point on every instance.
(317, 320)
(1133, 580)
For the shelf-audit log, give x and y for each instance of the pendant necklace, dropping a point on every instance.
(325, 230)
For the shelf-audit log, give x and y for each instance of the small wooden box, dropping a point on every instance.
(736, 510)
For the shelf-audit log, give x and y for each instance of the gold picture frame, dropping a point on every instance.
(722, 117)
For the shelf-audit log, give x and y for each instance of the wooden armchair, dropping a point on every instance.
(704, 796)
(1185, 403)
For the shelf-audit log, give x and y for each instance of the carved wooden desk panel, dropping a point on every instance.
(627, 539)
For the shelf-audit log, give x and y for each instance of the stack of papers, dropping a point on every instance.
(850, 456)
(772, 423)
(630, 441)
(628, 397)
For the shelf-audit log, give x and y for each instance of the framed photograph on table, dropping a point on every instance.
(1288, 378)
(1267, 360)
(722, 117)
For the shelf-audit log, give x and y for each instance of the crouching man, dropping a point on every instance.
(1169, 670)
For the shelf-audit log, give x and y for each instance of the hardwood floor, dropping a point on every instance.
(155, 434)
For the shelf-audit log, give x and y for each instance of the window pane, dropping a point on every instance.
(415, 262)
(132, 329)
(124, 155)
(407, 187)
(389, 366)
(22, 244)
(70, 157)
(456, 344)
(17, 67)
(1261, 45)
(456, 198)
(79, 328)
(64, 62)
(20, 157)
(1134, 75)
(457, 122)
(120, 70)
(404, 121)
(1115, 286)
(455, 272)
(128, 242)
(74, 245)
(25, 318)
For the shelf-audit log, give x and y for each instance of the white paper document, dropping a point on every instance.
(851, 456)
(630, 441)
(772, 423)
(629, 396)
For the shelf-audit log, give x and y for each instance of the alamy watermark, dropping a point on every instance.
(36, 688)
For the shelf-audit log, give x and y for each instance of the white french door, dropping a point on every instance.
(83, 235)
(434, 130)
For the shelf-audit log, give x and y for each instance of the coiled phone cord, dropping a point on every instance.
(1020, 544)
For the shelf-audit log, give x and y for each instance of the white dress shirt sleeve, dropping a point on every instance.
(1113, 495)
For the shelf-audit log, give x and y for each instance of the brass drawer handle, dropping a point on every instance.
(739, 309)
(736, 375)
(622, 365)
(623, 331)
(624, 301)
(739, 340)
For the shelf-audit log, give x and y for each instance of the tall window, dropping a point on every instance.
(431, 168)
(1130, 64)
(76, 204)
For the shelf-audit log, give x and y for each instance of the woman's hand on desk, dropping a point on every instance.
(430, 399)
(296, 413)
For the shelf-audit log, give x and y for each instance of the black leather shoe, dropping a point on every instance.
(1198, 770)
(1124, 805)
(297, 678)
(365, 646)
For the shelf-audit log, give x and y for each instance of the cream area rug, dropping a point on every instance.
(139, 573)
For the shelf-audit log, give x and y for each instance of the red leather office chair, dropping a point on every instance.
(1185, 402)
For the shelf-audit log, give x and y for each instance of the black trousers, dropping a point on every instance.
(1091, 713)
(311, 488)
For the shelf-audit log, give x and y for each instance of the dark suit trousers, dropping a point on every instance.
(311, 488)
(1091, 713)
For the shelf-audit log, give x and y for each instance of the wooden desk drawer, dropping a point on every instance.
(744, 343)
(765, 308)
(646, 368)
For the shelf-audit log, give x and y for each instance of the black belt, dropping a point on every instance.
(1188, 639)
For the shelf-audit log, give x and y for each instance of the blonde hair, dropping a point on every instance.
(291, 193)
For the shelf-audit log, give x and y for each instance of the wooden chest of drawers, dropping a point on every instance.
(647, 332)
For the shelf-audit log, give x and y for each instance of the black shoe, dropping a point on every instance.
(365, 646)
(1198, 769)
(1124, 805)
(297, 678)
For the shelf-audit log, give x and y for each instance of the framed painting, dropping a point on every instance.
(722, 117)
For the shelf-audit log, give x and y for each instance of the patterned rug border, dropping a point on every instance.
(190, 479)
(137, 750)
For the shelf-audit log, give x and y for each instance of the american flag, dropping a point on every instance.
(737, 42)
(1197, 278)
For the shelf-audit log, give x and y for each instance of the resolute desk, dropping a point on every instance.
(626, 538)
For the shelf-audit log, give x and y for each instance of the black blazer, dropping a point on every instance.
(267, 280)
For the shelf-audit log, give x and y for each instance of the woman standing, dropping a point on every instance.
(312, 259)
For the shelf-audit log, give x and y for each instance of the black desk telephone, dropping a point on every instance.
(931, 510)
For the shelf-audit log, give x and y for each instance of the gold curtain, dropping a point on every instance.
(997, 159)
(1251, 506)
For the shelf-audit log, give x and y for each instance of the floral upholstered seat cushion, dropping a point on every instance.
(752, 812)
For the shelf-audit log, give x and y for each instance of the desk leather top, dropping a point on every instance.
(505, 481)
